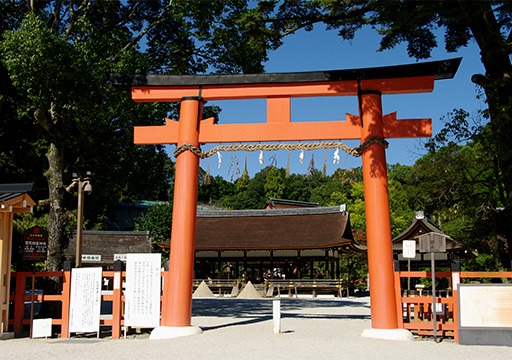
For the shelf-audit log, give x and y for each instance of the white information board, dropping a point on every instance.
(142, 304)
(85, 302)
(486, 305)
(409, 249)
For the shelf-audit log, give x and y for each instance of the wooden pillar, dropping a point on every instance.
(66, 298)
(181, 264)
(116, 302)
(245, 266)
(299, 264)
(271, 264)
(378, 225)
(19, 303)
(6, 219)
(338, 271)
(219, 266)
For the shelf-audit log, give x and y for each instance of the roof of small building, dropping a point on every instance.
(284, 203)
(14, 198)
(275, 229)
(10, 191)
(422, 225)
(109, 243)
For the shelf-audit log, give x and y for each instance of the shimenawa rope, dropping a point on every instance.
(355, 151)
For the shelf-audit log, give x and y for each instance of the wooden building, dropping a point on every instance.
(101, 248)
(270, 242)
(419, 226)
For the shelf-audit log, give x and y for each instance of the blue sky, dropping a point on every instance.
(325, 50)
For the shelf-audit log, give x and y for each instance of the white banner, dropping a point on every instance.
(142, 305)
(85, 302)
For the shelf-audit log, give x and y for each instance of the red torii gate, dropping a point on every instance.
(278, 88)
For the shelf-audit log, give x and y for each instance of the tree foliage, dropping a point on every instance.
(488, 23)
(55, 57)
(158, 221)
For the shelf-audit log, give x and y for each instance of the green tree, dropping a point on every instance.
(158, 221)
(414, 22)
(457, 186)
(58, 55)
(274, 183)
(214, 192)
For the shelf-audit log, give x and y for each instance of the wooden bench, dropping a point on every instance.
(312, 286)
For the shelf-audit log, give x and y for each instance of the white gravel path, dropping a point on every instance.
(242, 329)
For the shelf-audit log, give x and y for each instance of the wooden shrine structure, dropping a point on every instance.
(371, 127)
(419, 226)
(13, 199)
(287, 238)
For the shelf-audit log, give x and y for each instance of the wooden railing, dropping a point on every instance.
(415, 311)
(19, 298)
(220, 286)
(314, 286)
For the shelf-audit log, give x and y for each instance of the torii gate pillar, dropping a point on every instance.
(177, 304)
(378, 223)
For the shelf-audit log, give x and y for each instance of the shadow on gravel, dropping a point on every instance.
(261, 310)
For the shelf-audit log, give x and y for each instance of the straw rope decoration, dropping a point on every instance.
(355, 151)
(287, 175)
(324, 170)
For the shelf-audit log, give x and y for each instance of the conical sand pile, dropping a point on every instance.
(203, 291)
(249, 292)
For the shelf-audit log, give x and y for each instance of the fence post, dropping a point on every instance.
(66, 296)
(398, 295)
(455, 267)
(19, 303)
(116, 299)
(165, 295)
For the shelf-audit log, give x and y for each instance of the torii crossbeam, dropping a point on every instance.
(278, 88)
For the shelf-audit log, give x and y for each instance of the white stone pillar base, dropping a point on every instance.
(388, 334)
(171, 332)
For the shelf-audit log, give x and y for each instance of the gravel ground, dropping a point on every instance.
(243, 329)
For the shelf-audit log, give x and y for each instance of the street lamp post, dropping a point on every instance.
(84, 186)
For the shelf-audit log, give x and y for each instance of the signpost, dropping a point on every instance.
(433, 243)
(409, 252)
(85, 301)
(142, 306)
(35, 248)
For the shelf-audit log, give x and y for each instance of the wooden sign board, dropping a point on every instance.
(142, 307)
(35, 245)
(85, 301)
(485, 314)
(432, 243)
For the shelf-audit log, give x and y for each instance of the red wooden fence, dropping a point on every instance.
(415, 313)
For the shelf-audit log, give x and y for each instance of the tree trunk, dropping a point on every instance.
(497, 85)
(56, 219)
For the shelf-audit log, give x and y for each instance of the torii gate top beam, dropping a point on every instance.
(278, 89)
(444, 69)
